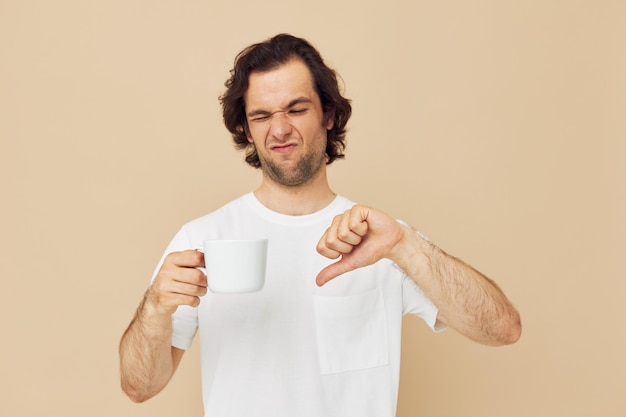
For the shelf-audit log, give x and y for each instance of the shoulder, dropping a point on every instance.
(342, 203)
(234, 206)
(210, 225)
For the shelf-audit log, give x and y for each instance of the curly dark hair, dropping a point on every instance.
(269, 55)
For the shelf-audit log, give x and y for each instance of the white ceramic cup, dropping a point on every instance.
(235, 266)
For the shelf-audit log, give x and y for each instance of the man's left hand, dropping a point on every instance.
(361, 236)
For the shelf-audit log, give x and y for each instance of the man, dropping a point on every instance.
(323, 337)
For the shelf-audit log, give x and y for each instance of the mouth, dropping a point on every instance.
(283, 148)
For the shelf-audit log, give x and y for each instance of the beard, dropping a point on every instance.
(306, 169)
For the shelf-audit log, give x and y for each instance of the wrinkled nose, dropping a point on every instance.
(281, 126)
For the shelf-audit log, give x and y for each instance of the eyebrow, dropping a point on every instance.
(292, 103)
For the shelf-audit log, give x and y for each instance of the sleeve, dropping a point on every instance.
(415, 302)
(185, 318)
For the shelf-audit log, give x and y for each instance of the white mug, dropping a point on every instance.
(235, 266)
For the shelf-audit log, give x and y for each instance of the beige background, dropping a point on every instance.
(497, 128)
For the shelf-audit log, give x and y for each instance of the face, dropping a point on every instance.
(287, 124)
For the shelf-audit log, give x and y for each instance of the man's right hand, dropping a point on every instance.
(178, 282)
(147, 358)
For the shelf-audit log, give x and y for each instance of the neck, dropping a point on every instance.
(295, 200)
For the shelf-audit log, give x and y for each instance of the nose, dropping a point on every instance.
(281, 126)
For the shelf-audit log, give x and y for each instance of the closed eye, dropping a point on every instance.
(295, 107)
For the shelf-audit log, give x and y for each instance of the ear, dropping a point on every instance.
(246, 130)
(330, 118)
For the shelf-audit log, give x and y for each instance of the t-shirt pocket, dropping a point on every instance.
(351, 332)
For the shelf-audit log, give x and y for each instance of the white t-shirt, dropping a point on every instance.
(295, 349)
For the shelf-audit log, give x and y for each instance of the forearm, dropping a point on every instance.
(467, 300)
(146, 359)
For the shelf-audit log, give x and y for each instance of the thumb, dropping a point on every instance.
(332, 271)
